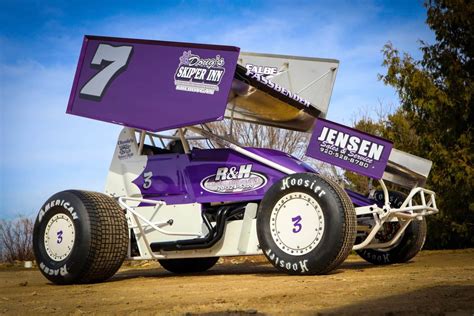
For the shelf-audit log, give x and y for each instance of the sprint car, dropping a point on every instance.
(168, 199)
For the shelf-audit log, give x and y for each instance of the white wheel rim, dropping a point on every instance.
(59, 237)
(297, 223)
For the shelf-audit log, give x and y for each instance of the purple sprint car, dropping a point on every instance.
(182, 194)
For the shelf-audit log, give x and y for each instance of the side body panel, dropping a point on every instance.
(204, 176)
(214, 175)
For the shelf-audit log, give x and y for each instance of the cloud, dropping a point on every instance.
(43, 149)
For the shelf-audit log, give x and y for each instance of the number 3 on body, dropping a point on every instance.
(113, 60)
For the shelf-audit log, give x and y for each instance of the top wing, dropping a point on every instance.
(152, 85)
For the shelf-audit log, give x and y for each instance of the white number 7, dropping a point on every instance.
(118, 58)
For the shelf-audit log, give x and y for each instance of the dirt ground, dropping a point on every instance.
(436, 282)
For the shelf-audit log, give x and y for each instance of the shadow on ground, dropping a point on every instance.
(245, 268)
(452, 300)
(436, 300)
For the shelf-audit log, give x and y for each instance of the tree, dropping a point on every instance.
(436, 103)
(16, 239)
(396, 127)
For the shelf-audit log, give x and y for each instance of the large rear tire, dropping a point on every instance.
(188, 265)
(80, 237)
(306, 224)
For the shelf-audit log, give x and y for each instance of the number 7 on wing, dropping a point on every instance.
(113, 60)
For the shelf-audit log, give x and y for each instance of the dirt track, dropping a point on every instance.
(434, 283)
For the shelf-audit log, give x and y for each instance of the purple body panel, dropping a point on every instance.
(177, 178)
(147, 92)
(349, 148)
(359, 199)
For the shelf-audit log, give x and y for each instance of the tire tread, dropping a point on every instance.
(349, 226)
(109, 236)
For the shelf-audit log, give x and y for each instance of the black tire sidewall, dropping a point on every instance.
(408, 246)
(333, 234)
(72, 267)
(410, 243)
(396, 198)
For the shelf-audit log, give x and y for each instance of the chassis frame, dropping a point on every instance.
(419, 202)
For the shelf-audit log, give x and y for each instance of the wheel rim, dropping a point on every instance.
(297, 223)
(59, 237)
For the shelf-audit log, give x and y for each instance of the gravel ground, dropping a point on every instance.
(435, 282)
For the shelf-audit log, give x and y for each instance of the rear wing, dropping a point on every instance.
(157, 85)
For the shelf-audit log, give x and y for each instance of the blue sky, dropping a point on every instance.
(43, 150)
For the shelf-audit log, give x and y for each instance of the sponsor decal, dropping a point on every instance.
(63, 203)
(349, 148)
(228, 180)
(200, 75)
(125, 149)
(266, 71)
(361, 149)
(264, 80)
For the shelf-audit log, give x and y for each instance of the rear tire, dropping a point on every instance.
(188, 265)
(306, 224)
(80, 237)
(408, 246)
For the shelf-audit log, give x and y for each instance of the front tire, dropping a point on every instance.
(306, 224)
(80, 237)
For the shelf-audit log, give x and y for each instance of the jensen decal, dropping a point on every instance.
(228, 180)
(350, 148)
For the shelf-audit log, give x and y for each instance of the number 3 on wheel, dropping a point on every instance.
(113, 60)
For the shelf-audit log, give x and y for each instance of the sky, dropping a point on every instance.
(43, 150)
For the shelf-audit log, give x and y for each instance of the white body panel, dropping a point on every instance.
(125, 167)
(407, 170)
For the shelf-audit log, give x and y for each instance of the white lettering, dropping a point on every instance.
(221, 173)
(303, 266)
(375, 151)
(244, 171)
(364, 146)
